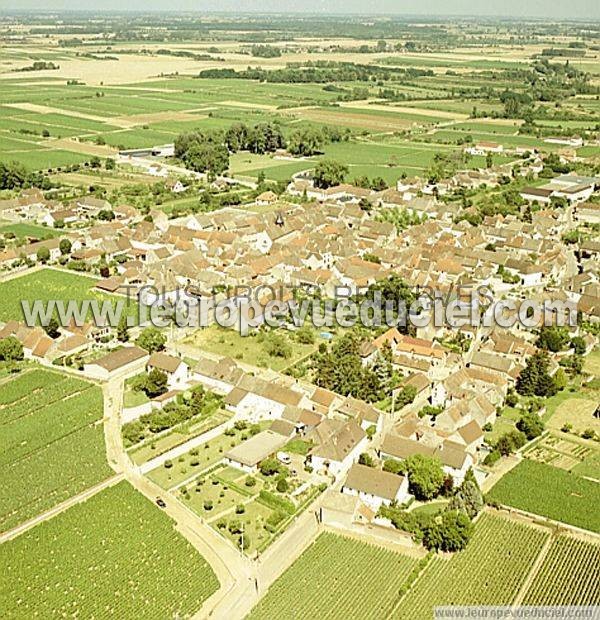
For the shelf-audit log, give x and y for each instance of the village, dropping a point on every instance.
(308, 447)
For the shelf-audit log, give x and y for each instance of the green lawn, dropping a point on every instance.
(251, 349)
(25, 230)
(116, 555)
(550, 492)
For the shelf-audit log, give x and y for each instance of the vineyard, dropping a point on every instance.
(337, 578)
(52, 447)
(568, 575)
(550, 492)
(489, 571)
(114, 556)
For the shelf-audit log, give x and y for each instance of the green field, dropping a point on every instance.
(550, 492)
(29, 230)
(337, 577)
(46, 285)
(568, 575)
(489, 571)
(116, 555)
(52, 446)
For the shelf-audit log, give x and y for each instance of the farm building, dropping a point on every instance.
(127, 361)
(251, 452)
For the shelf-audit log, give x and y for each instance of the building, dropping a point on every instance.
(375, 487)
(177, 371)
(124, 362)
(338, 445)
(247, 455)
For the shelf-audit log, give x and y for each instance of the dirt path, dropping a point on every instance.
(53, 512)
(533, 572)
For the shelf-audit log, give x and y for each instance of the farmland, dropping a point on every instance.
(489, 571)
(116, 555)
(329, 579)
(550, 492)
(46, 285)
(52, 446)
(566, 576)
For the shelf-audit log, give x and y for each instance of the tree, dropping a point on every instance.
(152, 340)
(43, 254)
(531, 425)
(109, 164)
(489, 160)
(366, 459)
(553, 338)
(65, 246)
(13, 175)
(468, 498)
(534, 379)
(277, 346)
(578, 345)
(282, 485)
(52, 328)
(123, 329)
(208, 157)
(510, 442)
(11, 350)
(329, 172)
(449, 532)
(425, 476)
(269, 467)
(156, 383)
(106, 215)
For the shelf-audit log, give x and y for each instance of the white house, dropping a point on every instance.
(375, 487)
(339, 444)
(177, 371)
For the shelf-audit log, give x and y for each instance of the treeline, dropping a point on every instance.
(39, 65)
(208, 151)
(319, 72)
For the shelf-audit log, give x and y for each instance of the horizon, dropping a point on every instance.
(430, 9)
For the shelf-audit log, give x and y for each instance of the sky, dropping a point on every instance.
(578, 9)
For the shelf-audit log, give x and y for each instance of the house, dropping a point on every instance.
(177, 371)
(483, 148)
(175, 186)
(266, 198)
(453, 457)
(247, 455)
(375, 487)
(338, 445)
(124, 362)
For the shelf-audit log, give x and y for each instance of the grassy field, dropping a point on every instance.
(32, 231)
(197, 459)
(568, 574)
(46, 285)
(337, 577)
(489, 571)
(252, 349)
(52, 447)
(550, 492)
(116, 555)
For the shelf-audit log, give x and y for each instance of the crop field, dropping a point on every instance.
(52, 446)
(116, 555)
(550, 492)
(337, 578)
(489, 571)
(567, 575)
(46, 285)
(569, 454)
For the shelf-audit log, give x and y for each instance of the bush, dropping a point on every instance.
(250, 482)
(492, 458)
(208, 504)
(282, 485)
(240, 509)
